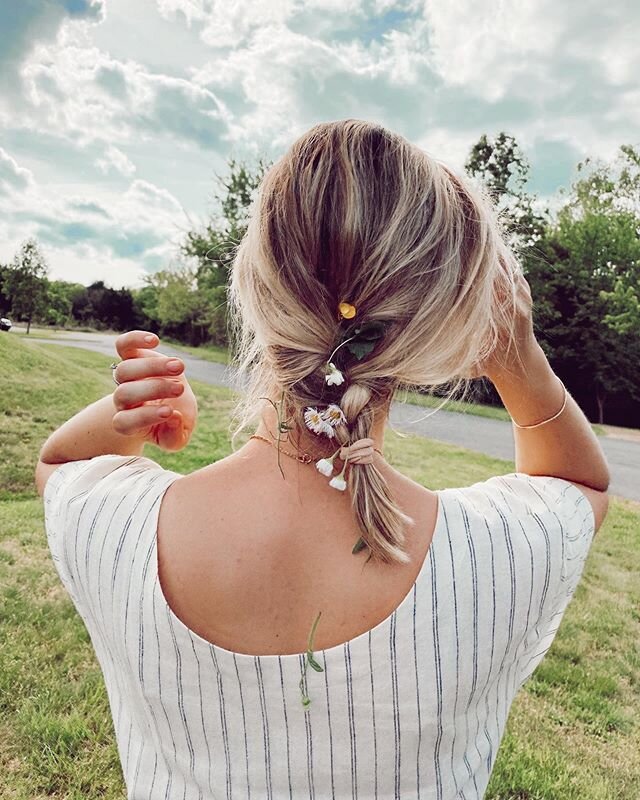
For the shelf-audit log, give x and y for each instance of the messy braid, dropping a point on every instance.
(354, 211)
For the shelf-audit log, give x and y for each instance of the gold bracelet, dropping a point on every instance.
(544, 421)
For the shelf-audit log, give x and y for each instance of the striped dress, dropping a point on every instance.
(414, 708)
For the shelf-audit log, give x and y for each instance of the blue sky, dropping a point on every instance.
(116, 115)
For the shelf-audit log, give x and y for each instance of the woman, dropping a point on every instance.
(300, 619)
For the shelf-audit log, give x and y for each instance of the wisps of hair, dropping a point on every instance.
(355, 212)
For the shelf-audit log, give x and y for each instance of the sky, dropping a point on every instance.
(117, 115)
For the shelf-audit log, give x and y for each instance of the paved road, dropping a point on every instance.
(489, 436)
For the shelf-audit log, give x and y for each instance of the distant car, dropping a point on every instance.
(5, 324)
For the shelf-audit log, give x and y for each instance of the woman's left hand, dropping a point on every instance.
(146, 386)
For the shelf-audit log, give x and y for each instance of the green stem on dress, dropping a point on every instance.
(310, 660)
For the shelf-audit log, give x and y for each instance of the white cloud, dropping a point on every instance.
(87, 263)
(165, 90)
(138, 230)
(82, 93)
(24, 24)
(523, 49)
(117, 161)
(289, 81)
(13, 178)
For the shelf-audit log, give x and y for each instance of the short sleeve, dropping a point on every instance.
(550, 499)
(80, 496)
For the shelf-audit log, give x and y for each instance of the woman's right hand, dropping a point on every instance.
(147, 384)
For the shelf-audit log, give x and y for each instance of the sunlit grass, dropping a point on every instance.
(573, 732)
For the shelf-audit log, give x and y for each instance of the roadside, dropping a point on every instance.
(220, 355)
(468, 430)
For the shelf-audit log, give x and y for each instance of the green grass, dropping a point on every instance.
(573, 732)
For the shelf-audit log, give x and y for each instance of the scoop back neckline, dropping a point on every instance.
(274, 657)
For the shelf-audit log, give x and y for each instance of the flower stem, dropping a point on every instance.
(309, 659)
(339, 346)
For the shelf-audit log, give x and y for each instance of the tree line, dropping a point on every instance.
(582, 260)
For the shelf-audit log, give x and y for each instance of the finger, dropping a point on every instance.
(171, 435)
(127, 343)
(360, 452)
(362, 443)
(135, 393)
(134, 369)
(359, 445)
(363, 457)
(134, 420)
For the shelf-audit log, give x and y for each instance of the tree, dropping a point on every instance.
(214, 247)
(105, 307)
(175, 303)
(582, 266)
(622, 199)
(624, 307)
(503, 169)
(62, 300)
(5, 302)
(26, 283)
(588, 281)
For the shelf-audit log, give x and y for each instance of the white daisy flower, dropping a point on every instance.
(338, 483)
(325, 466)
(327, 429)
(313, 420)
(333, 376)
(334, 415)
(316, 422)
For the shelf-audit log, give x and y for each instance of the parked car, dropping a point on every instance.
(5, 324)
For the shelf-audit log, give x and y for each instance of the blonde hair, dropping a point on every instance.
(353, 212)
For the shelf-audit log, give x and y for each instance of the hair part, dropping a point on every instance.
(355, 212)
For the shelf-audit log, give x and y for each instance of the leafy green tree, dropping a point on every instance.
(619, 196)
(582, 266)
(104, 307)
(173, 302)
(624, 307)
(60, 304)
(591, 263)
(5, 303)
(214, 247)
(503, 169)
(145, 303)
(26, 283)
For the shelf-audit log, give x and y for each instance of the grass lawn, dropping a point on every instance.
(573, 732)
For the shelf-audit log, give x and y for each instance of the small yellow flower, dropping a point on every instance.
(347, 310)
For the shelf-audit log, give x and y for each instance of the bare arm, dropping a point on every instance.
(121, 423)
(566, 447)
